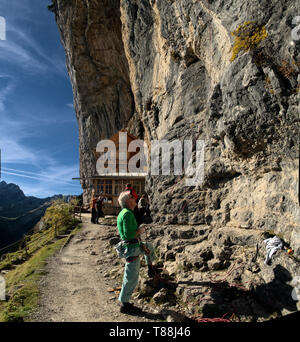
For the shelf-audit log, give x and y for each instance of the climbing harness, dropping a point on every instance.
(121, 246)
(131, 259)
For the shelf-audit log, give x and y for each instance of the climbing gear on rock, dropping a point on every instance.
(272, 245)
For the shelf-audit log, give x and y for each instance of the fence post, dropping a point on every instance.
(2, 288)
(26, 246)
(23, 244)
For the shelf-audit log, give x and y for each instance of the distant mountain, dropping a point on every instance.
(19, 213)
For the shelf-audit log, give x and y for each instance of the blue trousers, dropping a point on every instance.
(132, 269)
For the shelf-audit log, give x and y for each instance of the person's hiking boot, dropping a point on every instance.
(129, 308)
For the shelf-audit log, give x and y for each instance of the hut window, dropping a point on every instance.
(108, 189)
(118, 187)
(142, 188)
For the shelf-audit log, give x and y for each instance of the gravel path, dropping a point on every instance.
(75, 286)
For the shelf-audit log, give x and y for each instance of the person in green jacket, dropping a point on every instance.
(130, 235)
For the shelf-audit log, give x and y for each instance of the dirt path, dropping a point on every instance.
(75, 286)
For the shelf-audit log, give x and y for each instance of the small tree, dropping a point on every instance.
(59, 216)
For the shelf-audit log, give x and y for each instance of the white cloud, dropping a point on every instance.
(6, 90)
(50, 181)
(12, 131)
(21, 50)
(45, 190)
(13, 149)
(27, 50)
(24, 46)
(63, 175)
(43, 58)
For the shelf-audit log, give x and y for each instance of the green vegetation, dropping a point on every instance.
(247, 37)
(59, 216)
(26, 266)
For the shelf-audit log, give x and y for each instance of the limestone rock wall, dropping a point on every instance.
(103, 100)
(166, 70)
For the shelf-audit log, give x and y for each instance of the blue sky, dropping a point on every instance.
(38, 129)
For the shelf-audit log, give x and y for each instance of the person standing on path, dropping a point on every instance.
(99, 206)
(94, 209)
(132, 191)
(143, 207)
(133, 248)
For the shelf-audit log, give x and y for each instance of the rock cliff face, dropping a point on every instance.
(98, 69)
(224, 72)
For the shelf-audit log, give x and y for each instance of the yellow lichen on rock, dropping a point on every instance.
(247, 37)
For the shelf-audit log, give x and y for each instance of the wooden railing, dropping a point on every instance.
(77, 212)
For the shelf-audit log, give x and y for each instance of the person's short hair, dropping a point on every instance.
(128, 185)
(123, 198)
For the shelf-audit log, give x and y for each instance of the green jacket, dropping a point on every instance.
(127, 226)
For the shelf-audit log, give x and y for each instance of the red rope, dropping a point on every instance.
(239, 286)
(200, 319)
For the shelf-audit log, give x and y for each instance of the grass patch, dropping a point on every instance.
(22, 281)
(32, 244)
